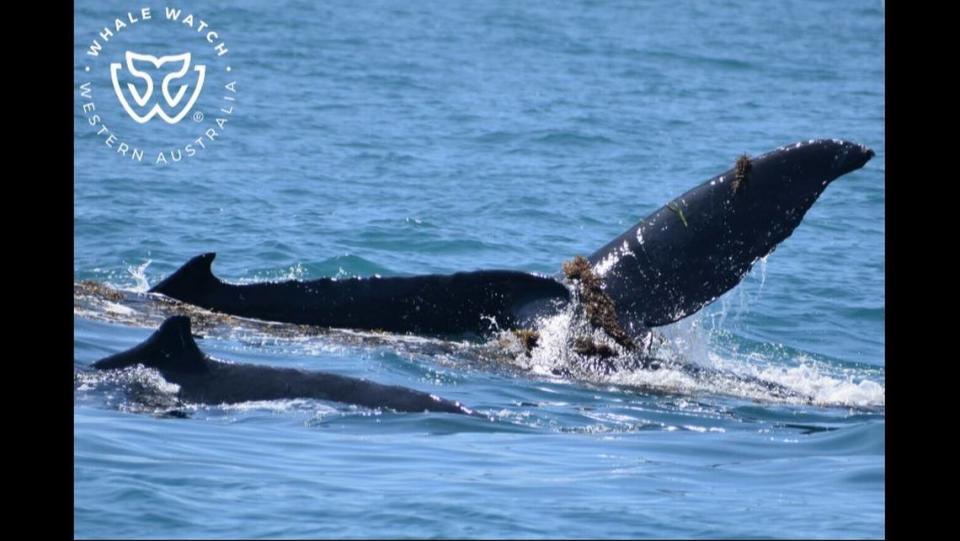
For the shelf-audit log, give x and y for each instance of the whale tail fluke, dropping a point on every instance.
(171, 347)
(701, 244)
(191, 281)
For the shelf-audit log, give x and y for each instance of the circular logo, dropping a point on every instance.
(157, 87)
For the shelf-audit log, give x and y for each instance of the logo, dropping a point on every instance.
(157, 87)
(143, 99)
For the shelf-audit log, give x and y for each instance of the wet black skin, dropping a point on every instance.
(172, 351)
(694, 249)
(461, 303)
(701, 244)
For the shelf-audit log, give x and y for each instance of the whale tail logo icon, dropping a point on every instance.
(173, 107)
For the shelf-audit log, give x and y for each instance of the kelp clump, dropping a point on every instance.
(599, 308)
(586, 345)
(528, 339)
(740, 172)
(96, 289)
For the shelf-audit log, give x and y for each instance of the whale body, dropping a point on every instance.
(172, 351)
(666, 267)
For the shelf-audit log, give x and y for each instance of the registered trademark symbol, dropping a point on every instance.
(198, 116)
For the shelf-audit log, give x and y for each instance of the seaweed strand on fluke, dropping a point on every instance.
(598, 307)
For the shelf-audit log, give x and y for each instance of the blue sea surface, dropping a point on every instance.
(401, 138)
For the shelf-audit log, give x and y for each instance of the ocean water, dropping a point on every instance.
(400, 138)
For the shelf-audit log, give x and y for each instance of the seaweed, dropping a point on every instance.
(584, 345)
(679, 212)
(597, 304)
(528, 338)
(741, 170)
(97, 289)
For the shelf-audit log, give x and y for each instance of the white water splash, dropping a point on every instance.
(138, 376)
(822, 383)
(139, 274)
(281, 406)
(293, 272)
(827, 390)
(119, 309)
(696, 363)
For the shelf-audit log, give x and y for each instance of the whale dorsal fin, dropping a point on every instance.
(171, 347)
(191, 280)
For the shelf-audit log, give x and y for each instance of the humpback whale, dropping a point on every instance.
(666, 267)
(172, 351)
